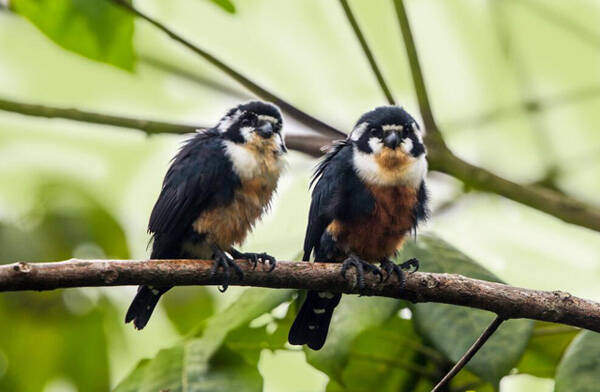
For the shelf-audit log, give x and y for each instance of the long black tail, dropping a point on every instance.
(312, 322)
(143, 305)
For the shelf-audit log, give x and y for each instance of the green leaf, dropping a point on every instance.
(226, 5)
(188, 306)
(353, 316)
(98, 29)
(212, 362)
(546, 347)
(452, 329)
(579, 370)
(383, 358)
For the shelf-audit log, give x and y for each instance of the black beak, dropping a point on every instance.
(392, 140)
(265, 130)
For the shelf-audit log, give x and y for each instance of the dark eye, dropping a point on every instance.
(247, 122)
(377, 132)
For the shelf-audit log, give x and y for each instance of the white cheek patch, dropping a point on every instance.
(416, 172)
(366, 167)
(244, 162)
(375, 144)
(280, 143)
(246, 133)
(227, 121)
(406, 145)
(420, 133)
(358, 131)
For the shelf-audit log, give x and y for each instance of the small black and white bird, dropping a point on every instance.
(369, 194)
(218, 185)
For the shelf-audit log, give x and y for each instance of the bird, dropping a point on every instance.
(369, 194)
(218, 185)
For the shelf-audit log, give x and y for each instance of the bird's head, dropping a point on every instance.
(256, 125)
(388, 147)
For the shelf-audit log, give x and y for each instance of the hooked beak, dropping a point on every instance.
(392, 140)
(265, 130)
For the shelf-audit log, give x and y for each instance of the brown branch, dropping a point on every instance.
(504, 300)
(489, 331)
(255, 88)
(440, 159)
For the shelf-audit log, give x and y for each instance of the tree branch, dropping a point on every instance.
(293, 111)
(367, 52)
(489, 331)
(440, 159)
(504, 300)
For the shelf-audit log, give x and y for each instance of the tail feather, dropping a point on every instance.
(143, 305)
(312, 322)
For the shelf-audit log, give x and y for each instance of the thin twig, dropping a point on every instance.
(511, 302)
(416, 70)
(470, 352)
(292, 110)
(367, 51)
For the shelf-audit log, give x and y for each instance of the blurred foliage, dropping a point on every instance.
(579, 368)
(510, 84)
(452, 329)
(99, 30)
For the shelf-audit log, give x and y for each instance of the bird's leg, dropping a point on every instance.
(225, 262)
(360, 265)
(390, 267)
(255, 258)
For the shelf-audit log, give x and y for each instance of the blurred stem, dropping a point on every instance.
(440, 158)
(586, 35)
(417, 74)
(293, 111)
(367, 52)
(551, 331)
(489, 331)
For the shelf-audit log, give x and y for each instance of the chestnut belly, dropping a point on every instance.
(229, 225)
(380, 233)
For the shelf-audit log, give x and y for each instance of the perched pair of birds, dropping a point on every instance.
(369, 194)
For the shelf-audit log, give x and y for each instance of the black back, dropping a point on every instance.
(200, 177)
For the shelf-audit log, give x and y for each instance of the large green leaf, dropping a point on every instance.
(383, 358)
(452, 329)
(208, 363)
(353, 316)
(98, 29)
(546, 347)
(579, 370)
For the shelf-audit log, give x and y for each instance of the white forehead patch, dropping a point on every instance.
(358, 131)
(227, 121)
(392, 127)
(265, 117)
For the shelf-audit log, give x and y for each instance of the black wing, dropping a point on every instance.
(338, 194)
(200, 177)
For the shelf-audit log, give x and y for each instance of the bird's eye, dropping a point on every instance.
(377, 132)
(247, 122)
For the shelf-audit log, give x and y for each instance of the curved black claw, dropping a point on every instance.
(361, 266)
(256, 258)
(414, 263)
(226, 263)
(390, 267)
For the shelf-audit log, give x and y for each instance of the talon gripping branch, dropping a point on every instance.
(369, 194)
(218, 185)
